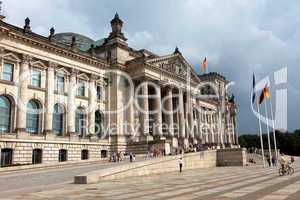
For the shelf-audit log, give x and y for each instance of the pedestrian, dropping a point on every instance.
(292, 159)
(268, 160)
(273, 160)
(114, 157)
(180, 164)
(130, 157)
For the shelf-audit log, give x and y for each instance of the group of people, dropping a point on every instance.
(156, 152)
(283, 160)
(117, 157)
(131, 157)
(120, 156)
(273, 161)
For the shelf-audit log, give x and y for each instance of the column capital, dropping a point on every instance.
(74, 72)
(94, 77)
(169, 87)
(52, 65)
(26, 59)
(2, 50)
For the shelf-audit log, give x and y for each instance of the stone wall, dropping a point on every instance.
(22, 151)
(153, 166)
(231, 157)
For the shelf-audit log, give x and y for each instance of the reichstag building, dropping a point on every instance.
(66, 97)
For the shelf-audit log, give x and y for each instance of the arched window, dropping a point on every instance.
(58, 119)
(80, 121)
(98, 123)
(33, 117)
(5, 114)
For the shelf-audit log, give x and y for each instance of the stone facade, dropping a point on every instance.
(83, 83)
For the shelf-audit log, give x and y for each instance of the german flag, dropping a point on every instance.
(253, 87)
(204, 64)
(265, 94)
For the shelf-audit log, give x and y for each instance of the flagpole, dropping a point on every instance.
(274, 135)
(268, 132)
(261, 138)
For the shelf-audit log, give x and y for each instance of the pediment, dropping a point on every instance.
(174, 64)
(39, 64)
(83, 76)
(12, 57)
(62, 71)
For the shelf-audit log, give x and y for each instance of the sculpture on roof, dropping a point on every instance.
(27, 25)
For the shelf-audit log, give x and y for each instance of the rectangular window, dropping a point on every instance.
(62, 155)
(98, 92)
(60, 83)
(81, 88)
(36, 78)
(8, 72)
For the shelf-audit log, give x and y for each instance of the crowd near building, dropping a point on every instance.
(66, 97)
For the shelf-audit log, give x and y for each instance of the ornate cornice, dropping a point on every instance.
(38, 41)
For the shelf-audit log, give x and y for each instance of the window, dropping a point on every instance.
(60, 83)
(5, 114)
(98, 92)
(33, 117)
(8, 72)
(81, 88)
(84, 154)
(103, 153)
(98, 123)
(58, 119)
(80, 121)
(6, 157)
(37, 155)
(62, 155)
(36, 78)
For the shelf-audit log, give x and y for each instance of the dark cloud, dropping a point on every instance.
(239, 37)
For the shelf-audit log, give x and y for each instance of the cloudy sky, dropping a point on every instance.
(239, 37)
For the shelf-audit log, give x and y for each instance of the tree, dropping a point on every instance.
(288, 143)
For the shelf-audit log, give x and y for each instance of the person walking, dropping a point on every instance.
(180, 163)
(130, 157)
(273, 160)
(268, 160)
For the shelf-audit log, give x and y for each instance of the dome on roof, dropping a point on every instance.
(82, 42)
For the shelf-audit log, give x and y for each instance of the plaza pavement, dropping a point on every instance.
(34, 180)
(221, 183)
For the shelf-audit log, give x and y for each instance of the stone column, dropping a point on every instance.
(71, 103)
(24, 80)
(206, 128)
(199, 125)
(189, 114)
(181, 115)
(49, 98)
(92, 106)
(145, 107)
(212, 128)
(131, 112)
(169, 107)
(158, 117)
(231, 131)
